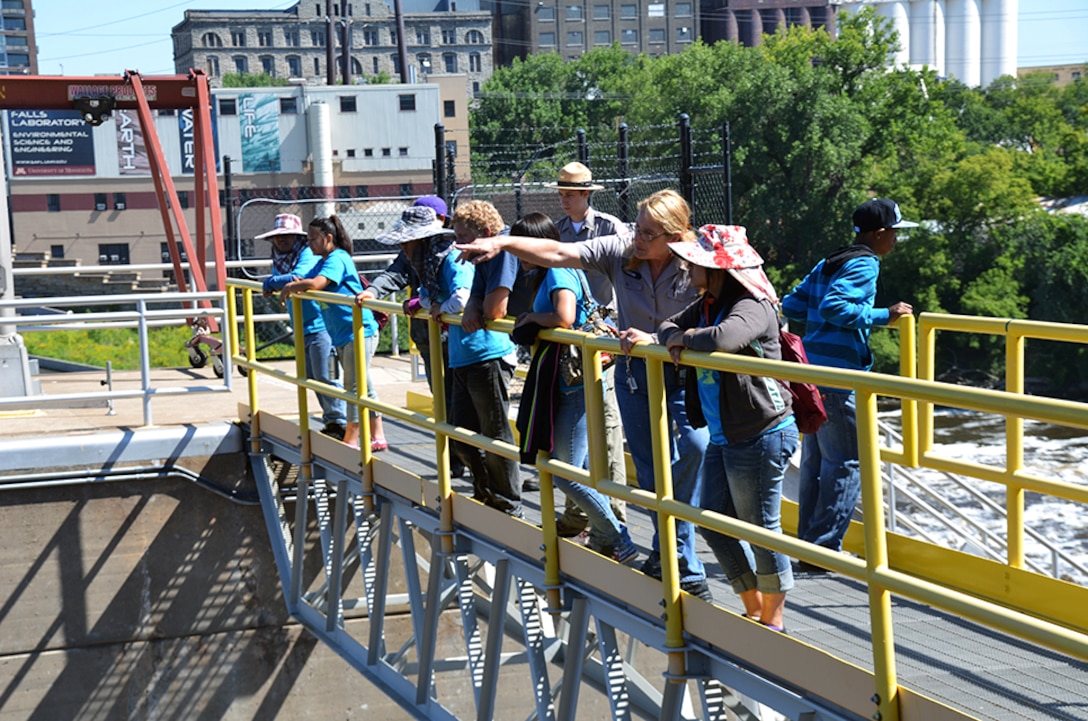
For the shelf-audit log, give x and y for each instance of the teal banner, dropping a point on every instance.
(259, 117)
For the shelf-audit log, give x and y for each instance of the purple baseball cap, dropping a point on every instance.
(434, 203)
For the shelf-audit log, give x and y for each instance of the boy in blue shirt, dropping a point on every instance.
(482, 363)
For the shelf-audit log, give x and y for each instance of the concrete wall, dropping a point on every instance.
(158, 599)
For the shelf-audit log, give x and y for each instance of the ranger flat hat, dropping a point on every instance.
(575, 176)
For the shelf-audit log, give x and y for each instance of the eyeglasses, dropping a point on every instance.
(639, 230)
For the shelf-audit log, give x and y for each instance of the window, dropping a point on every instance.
(601, 12)
(52, 202)
(241, 64)
(657, 35)
(655, 10)
(545, 13)
(683, 35)
(211, 40)
(228, 106)
(183, 199)
(403, 152)
(294, 66)
(213, 66)
(99, 201)
(1076, 75)
(449, 36)
(628, 37)
(366, 8)
(164, 251)
(574, 12)
(474, 37)
(289, 106)
(602, 37)
(347, 104)
(317, 66)
(351, 152)
(392, 36)
(317, 38)
(449, 108)
(362, 191)
(407, 102)
(268, 66)
(343, 191)
(423, 36)
(238, 38)
(629, 12)
(574, 37)
(113, 253)
(396, 64)
(14, 23)
(424, 60)
(370, 37)
(475, 87)
(18, 60)
(451, 148)
(547, 39)
(449, 62)
(264, 38)
(56, 251)
(474, 62)
(119, 203)
(387, 153)
(375, 65)
(291, 38)
(683, 10)
(406, 189)
(368, 153)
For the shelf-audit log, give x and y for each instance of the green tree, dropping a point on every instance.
(251, 80)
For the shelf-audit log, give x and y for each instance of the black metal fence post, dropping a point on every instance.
(623, 173)
(451, 176)
(439, 155)
(228, 207)
(687, 184)
(727, 161)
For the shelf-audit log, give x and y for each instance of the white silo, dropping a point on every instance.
(963, 41)
(999, 39)
(927, 35)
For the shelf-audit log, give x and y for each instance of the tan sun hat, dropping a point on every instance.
(575, 176)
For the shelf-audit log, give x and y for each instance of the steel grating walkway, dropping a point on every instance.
(974, 670)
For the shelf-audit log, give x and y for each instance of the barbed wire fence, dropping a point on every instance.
(630, 162)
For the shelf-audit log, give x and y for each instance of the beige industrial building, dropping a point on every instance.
(85, 194)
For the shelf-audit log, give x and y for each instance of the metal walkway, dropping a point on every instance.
(597, 643)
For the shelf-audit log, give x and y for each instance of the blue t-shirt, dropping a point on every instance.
(483, 345)
(311, 314)
(562, 279)
(339, 268)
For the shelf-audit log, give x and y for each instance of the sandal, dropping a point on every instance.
(378, 444)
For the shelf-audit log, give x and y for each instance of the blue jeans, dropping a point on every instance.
(571, 445)
(688, 446)
(319, 360)
(830, 478)
(481, 403)
(744, 480)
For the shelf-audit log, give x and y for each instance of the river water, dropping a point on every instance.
(1057, 453)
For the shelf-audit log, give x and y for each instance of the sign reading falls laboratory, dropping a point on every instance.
(50, 142)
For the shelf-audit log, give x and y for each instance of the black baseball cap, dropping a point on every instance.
(879, 213)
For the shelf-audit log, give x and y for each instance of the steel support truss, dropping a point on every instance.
(521, 658)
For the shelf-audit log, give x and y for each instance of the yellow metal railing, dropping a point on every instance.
(1044, 610)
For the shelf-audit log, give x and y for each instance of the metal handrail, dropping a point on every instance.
(141, 319)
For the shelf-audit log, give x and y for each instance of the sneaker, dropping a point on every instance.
(699, 589)
(625, 552)
(377, 445)
(652, 565)
(569, 526)
(530, 485)
(334, 430)
(806, 568)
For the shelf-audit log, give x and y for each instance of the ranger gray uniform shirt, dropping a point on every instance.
(596, 224)
(642, 303)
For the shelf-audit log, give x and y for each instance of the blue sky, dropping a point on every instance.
(120, 36)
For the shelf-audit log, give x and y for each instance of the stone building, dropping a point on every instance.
(18, 51)
(293, 43)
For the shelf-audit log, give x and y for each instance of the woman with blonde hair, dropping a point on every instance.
(650, 284)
